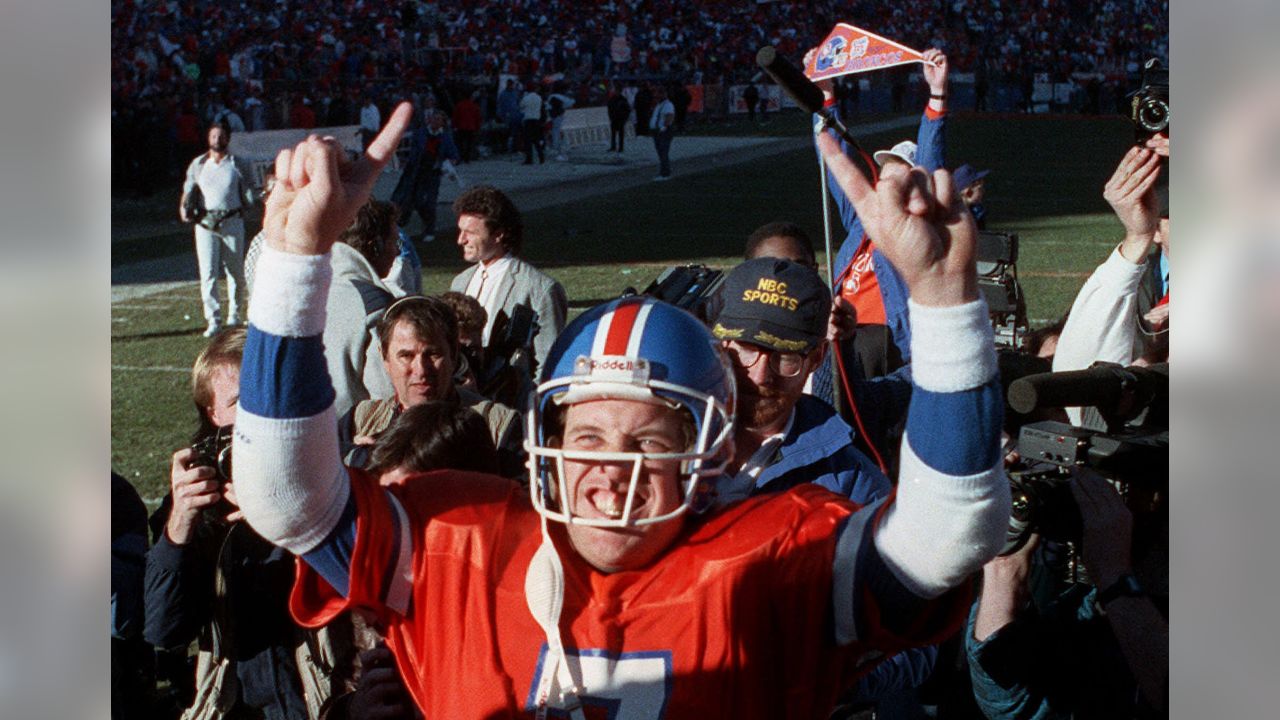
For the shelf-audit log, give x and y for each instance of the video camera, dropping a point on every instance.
(1131, 448)
(695, 288)
(510, 365)
(1149, 105)
(997, 256)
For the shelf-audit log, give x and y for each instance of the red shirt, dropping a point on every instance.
(466, 115)
(733, 621)
(861, 288)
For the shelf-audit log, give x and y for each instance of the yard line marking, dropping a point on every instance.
(151, 368)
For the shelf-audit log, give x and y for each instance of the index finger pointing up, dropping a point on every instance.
(385, 144)
(847, 175)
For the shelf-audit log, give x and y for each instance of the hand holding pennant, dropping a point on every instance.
(849, 50)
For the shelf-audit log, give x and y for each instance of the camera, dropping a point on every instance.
(1128, 443)
(215, 451)
(1149, 106)
(997, 259)
(695, 288)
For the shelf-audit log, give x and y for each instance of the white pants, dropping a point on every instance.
(216, 253)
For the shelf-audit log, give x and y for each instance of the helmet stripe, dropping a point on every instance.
(621, 323)
(637, 333)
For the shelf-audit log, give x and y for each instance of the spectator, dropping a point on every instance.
(491, 234)
(662, 127)
(532, 117)
(557, 104)
(466, 121)
(357, 299)
(218, 183)
(419, 185)
(420, 351)
(301, 115)
(405, 277)
(211, 576)
(629, 509)
(370, 120)
(509, 112)
(973, 191)
(619, 112)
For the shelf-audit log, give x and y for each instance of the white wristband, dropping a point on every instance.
(952, 348)
(289, 293)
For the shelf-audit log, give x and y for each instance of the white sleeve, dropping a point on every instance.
(951, 510)
(1103, 324)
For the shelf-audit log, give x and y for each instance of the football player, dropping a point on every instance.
(604, 589)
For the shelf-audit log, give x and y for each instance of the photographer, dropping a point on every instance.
(1099, 649)
(1121, 315)
(210, 575)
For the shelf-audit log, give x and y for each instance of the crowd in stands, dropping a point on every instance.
(260, 64)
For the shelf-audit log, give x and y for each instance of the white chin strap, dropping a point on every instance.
(544, 594)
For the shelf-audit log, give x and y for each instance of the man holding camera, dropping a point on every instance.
(1099, 649)
(210, 576)
(224, 191)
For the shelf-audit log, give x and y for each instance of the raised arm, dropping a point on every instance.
(952, 505)
(290, 480)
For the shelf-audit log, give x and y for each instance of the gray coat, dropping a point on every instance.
(357, 299)
(525, 284)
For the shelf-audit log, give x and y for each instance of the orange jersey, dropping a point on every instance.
(861, 287)
(735, 620)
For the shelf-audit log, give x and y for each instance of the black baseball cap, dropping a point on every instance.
(774, 303)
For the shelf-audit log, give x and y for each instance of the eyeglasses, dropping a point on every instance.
(783, 364)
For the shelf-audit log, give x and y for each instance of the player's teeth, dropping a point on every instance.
(611, 507)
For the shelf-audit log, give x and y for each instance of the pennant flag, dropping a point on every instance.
(849, 50)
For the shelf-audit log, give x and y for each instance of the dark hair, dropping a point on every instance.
(371, 230)
(1037, 338)
(226, 348)
(468, 311)
(433, 436)
(780, 229)
(498, 212)
(219, 123)
(427, 315)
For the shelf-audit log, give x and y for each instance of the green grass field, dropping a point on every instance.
(1046, 185)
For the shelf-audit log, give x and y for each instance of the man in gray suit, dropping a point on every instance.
(491, 234)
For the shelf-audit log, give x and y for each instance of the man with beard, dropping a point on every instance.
(225, 192)
(772, 326)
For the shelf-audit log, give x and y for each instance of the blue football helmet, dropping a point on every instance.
(633, 348)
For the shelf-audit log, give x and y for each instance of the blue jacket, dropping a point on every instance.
(931, 146)
(819, 449)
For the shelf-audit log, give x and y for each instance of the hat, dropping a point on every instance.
(965, 176)
(774, 303)
(904, 151)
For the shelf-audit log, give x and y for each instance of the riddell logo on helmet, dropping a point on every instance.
(613, 367)
(622, 364)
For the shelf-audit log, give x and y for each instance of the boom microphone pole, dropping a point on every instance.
(809, 97)
(801, 89)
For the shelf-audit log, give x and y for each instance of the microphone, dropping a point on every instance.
(1110, 388)
(801, 89)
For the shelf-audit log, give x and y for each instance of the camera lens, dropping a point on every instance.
(1153, 115)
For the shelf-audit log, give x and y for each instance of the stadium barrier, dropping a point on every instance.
(590, 126)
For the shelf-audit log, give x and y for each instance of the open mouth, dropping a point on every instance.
(610, 505)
